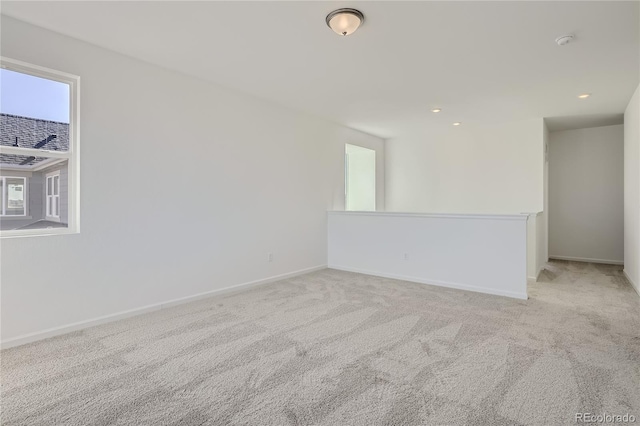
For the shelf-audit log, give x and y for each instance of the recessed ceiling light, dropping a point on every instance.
(457, 123)
(436, 110)
(344, 21)
(584, 95)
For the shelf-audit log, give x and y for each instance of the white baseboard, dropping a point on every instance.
(633, 283)
(437, 283)
(589, 260)
(534, 279)
(57, 331)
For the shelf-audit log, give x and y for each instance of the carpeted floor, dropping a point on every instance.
(337, 348)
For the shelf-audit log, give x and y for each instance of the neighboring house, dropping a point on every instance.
(34, 189)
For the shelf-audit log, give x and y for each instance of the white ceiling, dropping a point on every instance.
(479, 61)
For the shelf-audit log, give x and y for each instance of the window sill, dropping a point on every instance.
(15, 217)
(42, 232)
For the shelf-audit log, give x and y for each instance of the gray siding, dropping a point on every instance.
(64, 194)
(64, 190)
(35, 208)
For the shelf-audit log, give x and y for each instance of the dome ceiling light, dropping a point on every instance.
(345, 21)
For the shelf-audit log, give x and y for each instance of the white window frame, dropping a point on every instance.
(5, 198)
(72, 155)
(55, 197)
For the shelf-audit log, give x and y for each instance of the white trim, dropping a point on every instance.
(633, 283)
(42, 232)
(437, 283)
(531, 280)
(36, 70)
(587, 259)
(73, 167)
(57, 331)
(72, 155)
(519, 216)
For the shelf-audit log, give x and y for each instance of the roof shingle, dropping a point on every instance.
(33, 131)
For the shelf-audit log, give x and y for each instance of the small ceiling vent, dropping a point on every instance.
(565, 39)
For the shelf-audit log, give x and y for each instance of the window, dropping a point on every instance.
(39, 161)
(13, 196)
(52, 199)
(360, 178)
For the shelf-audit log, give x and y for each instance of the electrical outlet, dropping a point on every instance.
(270, 257)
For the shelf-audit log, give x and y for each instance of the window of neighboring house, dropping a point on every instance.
(13, 196)
(360, 178)
(52, 199)
(39, 142)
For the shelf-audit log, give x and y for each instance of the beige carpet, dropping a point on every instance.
(336, 348)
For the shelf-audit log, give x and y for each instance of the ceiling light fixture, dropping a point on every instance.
(345, 21)
(436, 110)
(457, 123)
(584, 95)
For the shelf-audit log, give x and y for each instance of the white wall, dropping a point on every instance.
(468, 169)
(537, 225)
(541, 244)
(532, 237)
(492, 169)
(632, 190)
(483, 253)
(258, 179)
(536, 245)
(586, 194)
